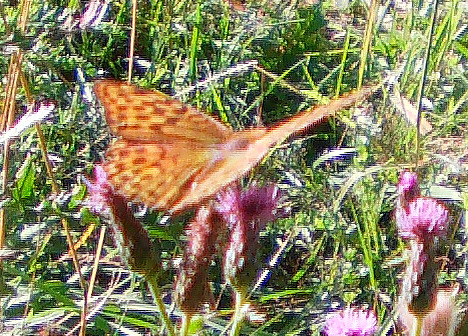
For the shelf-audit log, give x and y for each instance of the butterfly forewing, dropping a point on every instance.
(143, 115)
(243, 150)
(313, 116)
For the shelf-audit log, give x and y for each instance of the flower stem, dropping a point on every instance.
(418, 326)
(153, 284)
(184, 329)
(238, 315)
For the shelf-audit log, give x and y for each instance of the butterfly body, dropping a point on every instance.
(171, 156)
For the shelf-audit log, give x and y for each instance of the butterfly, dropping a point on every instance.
(170, 156)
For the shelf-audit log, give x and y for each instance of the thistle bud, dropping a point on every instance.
(408, 188)
(130, 236)
(247, 213)
(202, 233)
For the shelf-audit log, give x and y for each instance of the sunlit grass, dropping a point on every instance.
(336, 244)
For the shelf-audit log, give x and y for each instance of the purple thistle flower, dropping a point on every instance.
(256, 204)
(246, 213)
(424, 218)
(408, 188)
(260, 203)
(99, 191)
(351, 322)
(421, 221)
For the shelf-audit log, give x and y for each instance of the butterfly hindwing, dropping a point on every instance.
(152, 173)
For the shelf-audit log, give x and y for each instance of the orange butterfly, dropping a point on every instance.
(171, 156)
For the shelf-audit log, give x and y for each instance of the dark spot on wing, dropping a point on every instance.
(155, 127)
(142, 116)
(139, 161)
(172, 120)
(184, 109)
(119, 166)
(128, 128)
(124, 152)
(146, 177)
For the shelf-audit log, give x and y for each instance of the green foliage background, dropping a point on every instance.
(342, 242)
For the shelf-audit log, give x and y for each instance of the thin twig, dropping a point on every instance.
(132, 42)
(367, 41)
(97, 257)
(422, 84)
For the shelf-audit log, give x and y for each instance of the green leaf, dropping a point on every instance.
(79, 194)
(57, 290)
(25, 179)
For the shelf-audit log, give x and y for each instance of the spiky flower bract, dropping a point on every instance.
(203, 232)
(246, 212)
